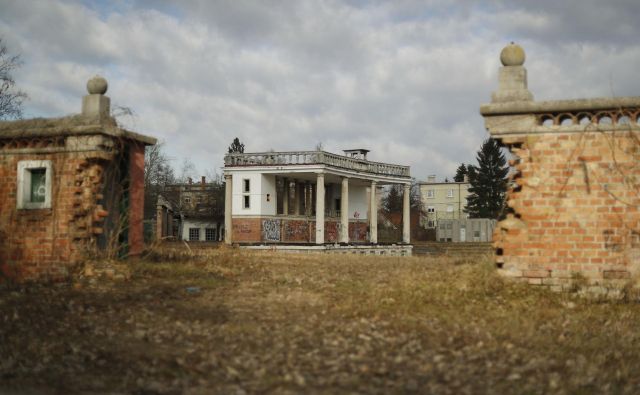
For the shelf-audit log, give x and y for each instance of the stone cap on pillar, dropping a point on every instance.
(512, 77)
(96, 104)
(95, 119)
(512, 110)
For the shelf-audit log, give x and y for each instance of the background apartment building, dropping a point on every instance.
(442, 200)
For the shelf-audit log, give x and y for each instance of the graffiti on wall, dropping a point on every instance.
(358, 231)
(242, 228)
(331, 231)
(296, 231)
(246, 230)
(271, 230)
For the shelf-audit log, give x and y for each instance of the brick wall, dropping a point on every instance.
(84, 219)
(576, 210)
(298, 231)
(331, 231)
(251, 230)
(358, 232)
(40, 244)
(246, 230)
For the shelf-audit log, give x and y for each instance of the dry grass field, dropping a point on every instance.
(234, 322)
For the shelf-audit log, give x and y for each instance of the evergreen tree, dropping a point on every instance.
(488, 182)
(236, 147)
(461, 171)
(393, 201)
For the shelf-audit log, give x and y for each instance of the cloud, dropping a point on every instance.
(404, 78)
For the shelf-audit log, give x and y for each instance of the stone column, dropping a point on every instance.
(320, 209)
(285, 201)
(228, 196)
(406, 214)
(344, 211)
(298, 196)
(373, 214)
(307, 199)
(312, 199)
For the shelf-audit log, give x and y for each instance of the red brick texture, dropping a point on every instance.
(45, 244)
(576, 210)
(246, 230)
(358, 232)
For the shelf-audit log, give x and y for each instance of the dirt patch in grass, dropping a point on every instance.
(240, 322)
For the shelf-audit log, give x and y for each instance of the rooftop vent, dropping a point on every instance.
(359, 153)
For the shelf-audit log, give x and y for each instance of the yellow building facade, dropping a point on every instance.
(442, 200)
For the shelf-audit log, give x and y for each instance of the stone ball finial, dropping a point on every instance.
(97, 85)
(512, 55)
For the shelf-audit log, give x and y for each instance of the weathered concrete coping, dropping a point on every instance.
(555, 106)
(298, 158)
(68, 126)
(360, 249)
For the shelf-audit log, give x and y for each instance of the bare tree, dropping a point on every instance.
(11, 99)
(188, 171)
(157, 169)
(157, 173)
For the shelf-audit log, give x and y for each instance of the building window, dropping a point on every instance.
(450, 193)
(430, 224)
(34, 184)
(194, 234)
(210, 234)
(187, 200)
(449, 208)
(431, 209)
(246, 190)
(431, 194)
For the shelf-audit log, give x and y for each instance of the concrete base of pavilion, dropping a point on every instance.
(363, 249)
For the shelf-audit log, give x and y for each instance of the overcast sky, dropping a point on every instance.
(402, 78)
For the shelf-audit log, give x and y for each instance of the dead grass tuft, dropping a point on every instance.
(233, 321)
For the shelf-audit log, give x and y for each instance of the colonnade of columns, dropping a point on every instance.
(306, 192)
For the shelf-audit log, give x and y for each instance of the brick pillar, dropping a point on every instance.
(136, 196)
